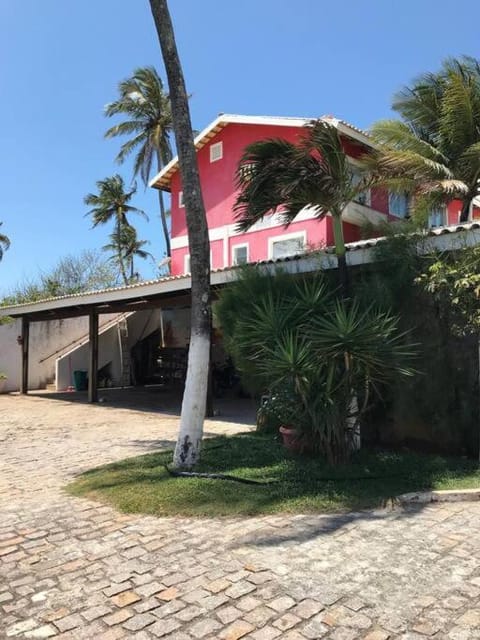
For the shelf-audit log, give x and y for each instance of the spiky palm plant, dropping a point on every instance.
(433, 152)
(111, 203)
(4, 243)
(276, 175)
(147, 107)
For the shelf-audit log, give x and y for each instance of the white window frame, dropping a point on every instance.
(390, 208)
(286, 236)
(244, 245)
(181, 203)
(186, 263)
(216, 148)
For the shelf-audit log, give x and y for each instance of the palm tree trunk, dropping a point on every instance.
(187, 450)
(340, 252)
(163, 216)
(121, 264)
(465, 212)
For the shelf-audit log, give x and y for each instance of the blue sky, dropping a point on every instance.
(60, 62)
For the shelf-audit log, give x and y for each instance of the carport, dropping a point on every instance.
(154, 294)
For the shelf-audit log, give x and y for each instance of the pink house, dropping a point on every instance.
(219, 149)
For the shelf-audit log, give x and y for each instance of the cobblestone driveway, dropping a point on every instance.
(70, 568)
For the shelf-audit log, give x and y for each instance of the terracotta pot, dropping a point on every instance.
(3, 384)
(291, 439)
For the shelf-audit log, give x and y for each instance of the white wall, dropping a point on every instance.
(45, 339)
(77, 359)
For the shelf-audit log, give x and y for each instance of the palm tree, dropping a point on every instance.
(188, 445)
(276, 175)
(434, 150)
(111, 204)
(4, 243)
(143, 100)
(128, 246)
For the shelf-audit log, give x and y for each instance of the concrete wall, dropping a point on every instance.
(45, 339)
(77, 358)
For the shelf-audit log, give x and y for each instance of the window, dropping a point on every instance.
(216, 151)
(287, 245)
(398, 204)
(364, 197)
(240, 254)
(186, 263)
(437, 217)
(181, 204)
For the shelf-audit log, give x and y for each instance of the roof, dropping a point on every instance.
(162, 179)
(137, 296)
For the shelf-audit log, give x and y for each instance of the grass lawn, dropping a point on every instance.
(303, 485)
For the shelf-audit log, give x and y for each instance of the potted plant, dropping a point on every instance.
(284, 409)
(3, 381)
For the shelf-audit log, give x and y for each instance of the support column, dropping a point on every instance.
(93, 357)
(24, 344)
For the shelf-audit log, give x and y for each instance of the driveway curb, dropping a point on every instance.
(451, 495)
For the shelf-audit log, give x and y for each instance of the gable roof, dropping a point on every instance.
(162, 179)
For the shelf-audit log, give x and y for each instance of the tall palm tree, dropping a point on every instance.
(189, 441)
(276, 175)
(143, 100)
(129, 247)
(433, 151)
(111, 204)
(4, 243)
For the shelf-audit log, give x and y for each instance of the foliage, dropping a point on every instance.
(4, 243)
(453, 280)
(320, 354)
(71, 274)
(276, 175)
(143, 101)
(300, 484)
(433, 152)
(125, 247)
(3, 376)
(112, 204)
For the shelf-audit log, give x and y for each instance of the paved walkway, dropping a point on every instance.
(71, 568)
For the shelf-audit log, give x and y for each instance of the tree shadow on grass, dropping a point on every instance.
(299, 485)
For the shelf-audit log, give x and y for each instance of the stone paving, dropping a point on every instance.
(73, 568)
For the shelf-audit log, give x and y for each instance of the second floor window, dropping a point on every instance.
(240, 254)
(437, 217)
(181, 203)
(216, 151)
(287, 246)
(398, 204)
(363, 197)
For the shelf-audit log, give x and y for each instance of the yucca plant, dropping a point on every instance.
(329, 357)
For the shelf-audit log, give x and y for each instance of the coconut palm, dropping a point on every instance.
(111, 204)
(189, 441)
(128, 246)
(434, 150)
(4, 243)
(143, 100)
(276, 175)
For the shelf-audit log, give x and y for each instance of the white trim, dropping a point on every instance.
(354, 212)
(241, 245)
(286, 236)
(186, 263)
(216, 148)
(181, 203)
(162, 179)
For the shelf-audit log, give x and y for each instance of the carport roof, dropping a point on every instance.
(152, 293)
